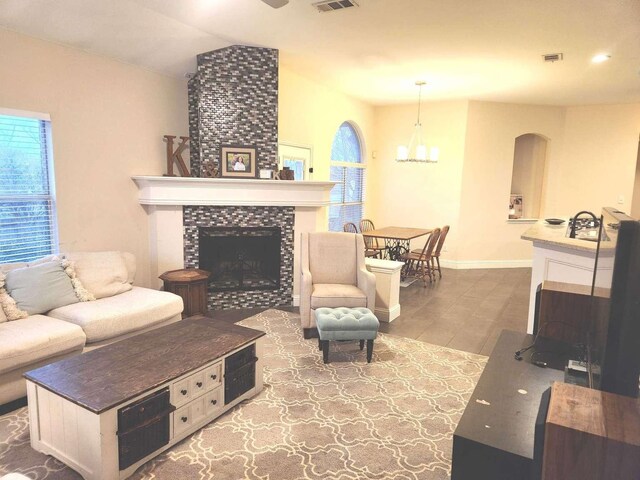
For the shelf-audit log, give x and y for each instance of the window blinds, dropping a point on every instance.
(27, 208)
(347, 200)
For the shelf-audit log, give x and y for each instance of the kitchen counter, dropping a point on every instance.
(559, 258)
(555, 235)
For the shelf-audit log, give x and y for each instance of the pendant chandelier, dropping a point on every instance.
(417, 150)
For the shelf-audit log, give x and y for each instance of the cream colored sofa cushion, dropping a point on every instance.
(332, 258)
(104, 274)
(35, 338)
(333, 295)
(3, 317)
(130, 263)
(127, 312)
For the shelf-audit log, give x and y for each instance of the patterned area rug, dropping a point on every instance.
(391, 419)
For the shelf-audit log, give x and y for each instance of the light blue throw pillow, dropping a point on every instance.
(40, 288)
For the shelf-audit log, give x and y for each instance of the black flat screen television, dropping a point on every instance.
(615, 294)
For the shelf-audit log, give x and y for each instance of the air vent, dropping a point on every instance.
(552, 57)
(331, 5)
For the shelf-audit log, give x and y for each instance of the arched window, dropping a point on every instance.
(347, 197)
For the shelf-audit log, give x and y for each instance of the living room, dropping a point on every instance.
(111, 78)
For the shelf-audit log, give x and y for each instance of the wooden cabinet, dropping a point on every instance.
(591, 435)
(191, 285)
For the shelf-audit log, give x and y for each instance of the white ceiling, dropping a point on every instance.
(476, 49)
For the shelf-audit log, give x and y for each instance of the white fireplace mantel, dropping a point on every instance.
(164, 197)
(158, 190)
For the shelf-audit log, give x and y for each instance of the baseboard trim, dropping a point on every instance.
(387, 315)
(475, 264)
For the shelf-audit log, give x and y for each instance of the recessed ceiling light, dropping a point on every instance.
(601, 57)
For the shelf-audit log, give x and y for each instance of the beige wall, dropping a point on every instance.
(591, 157)
(108, 119)
(635, 202)
(599, 160)
(309, 113)
(491, 132)
(418, 194)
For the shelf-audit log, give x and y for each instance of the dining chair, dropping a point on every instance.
(436, 255)
(419, 264)
(372, 244)
(350, 227)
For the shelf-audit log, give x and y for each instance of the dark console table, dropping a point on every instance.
(494, 439)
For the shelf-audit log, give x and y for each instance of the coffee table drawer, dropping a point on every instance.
(197, 384)
(189, 415)
(214, 401)
(213, 376)
(181, 392)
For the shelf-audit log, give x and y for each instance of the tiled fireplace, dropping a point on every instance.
(233, 101)
(240, 237)
(183, 211)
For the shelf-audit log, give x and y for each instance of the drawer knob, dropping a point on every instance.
(213, 377)
(184, 419)
(214, 402)
(199, 384)
(184, 392)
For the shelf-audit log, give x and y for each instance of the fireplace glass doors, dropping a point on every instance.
(246, 258)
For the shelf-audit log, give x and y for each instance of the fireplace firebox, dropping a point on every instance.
(241, 258)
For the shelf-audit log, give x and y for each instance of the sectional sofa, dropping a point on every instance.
(118, 311)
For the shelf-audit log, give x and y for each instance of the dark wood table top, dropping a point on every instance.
(185, 275)
(512, 390)
(109, 376)
(398, 233)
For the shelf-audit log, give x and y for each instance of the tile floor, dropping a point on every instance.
(466, 309)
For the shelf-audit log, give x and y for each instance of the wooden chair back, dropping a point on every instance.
(443, 236)
(430, 244)
(350, 227)
(365, 226)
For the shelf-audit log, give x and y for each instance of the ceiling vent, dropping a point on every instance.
(552, 57)
(331, 5)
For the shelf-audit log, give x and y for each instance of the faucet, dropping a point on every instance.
(572, 234)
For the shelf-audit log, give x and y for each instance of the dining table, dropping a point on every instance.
(396, 239)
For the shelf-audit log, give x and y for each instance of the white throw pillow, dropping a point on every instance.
(3, 317)
(104, 274)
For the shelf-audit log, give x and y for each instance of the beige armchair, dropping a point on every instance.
(333, 275)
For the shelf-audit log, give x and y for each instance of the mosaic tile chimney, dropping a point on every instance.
(233, 100)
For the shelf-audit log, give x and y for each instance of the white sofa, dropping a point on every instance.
(119, 311)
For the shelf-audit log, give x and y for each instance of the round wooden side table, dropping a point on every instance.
(191, 285)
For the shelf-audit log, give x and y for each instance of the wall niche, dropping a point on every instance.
(527, 179)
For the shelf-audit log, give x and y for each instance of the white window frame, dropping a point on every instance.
(361, 165)
(51, 197)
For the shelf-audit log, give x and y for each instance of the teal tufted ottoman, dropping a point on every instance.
(346, 324)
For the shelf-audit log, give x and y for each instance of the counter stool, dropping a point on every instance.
(346, 324)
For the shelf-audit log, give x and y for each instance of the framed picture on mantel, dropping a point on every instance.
(237, 162)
